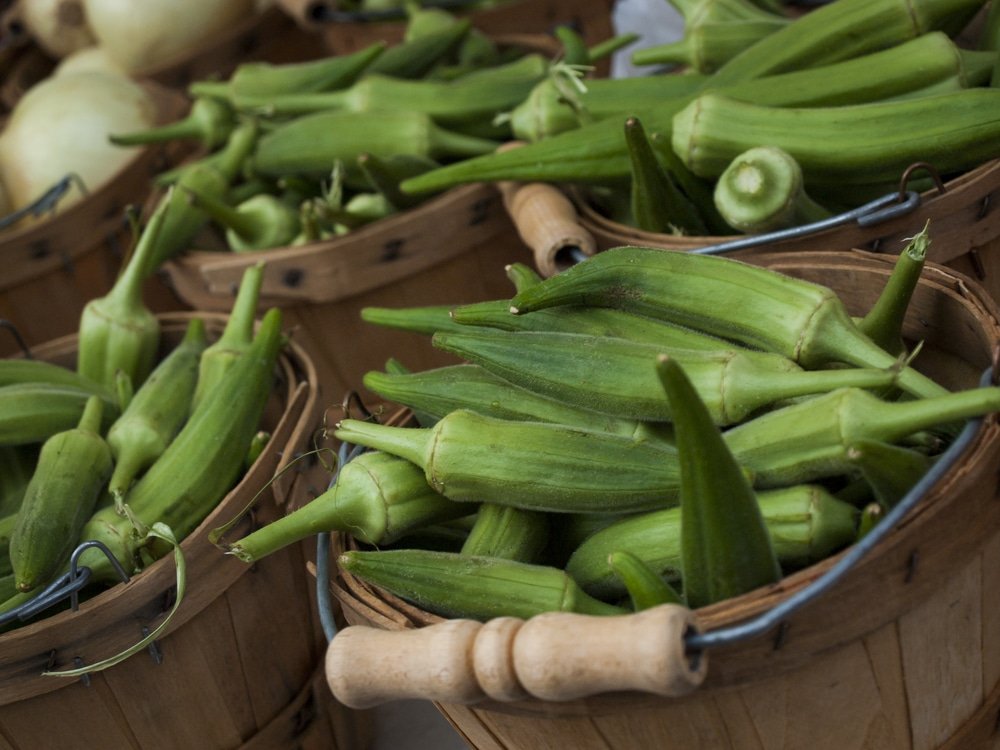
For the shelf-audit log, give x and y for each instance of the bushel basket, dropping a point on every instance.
(902, 652)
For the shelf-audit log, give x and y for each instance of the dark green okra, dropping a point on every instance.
(646, 588)
(479, 588)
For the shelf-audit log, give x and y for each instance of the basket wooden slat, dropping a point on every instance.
(901, 654)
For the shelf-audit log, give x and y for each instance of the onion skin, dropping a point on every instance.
(59, 27)
(147, 37)
(61, 126)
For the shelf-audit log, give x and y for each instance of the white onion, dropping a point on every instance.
(61, 125)
(59, 27)
(143, 35)
(94, 58)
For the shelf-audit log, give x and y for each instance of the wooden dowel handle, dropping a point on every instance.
(556, 657)
(546, 221)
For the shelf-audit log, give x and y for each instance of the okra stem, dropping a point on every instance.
(210, 121)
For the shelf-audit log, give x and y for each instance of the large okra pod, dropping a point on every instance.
(378, 498)
(439, 391)
(479, 588)
(812, 439)
(469, 457)
(201, 463)
(725, 547)
(618, 377)
(953, 131)
(33, 412)
(755, 306)
(156, 412)
(805, 522)
(72, 469)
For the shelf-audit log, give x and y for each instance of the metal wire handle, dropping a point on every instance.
(47, 201)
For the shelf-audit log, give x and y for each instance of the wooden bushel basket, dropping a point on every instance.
(964, 214)
(238, 666)
(591, 19)
(903, 653)
(451, 249)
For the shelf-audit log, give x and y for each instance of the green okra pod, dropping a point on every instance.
(618, 377)
(890, 470)
(378, 498)
(415, 57)
(72, 468)
(436, 392)
(658, 204)
(755, 306)
(521, 275)
(7, 524)
(646, 588)
(725, 546)
(806, 523)
(870, 516)
(883, 323)
(156, 413)
(469, 457)
(508, 533)
(386, 175)
(33, 412)
(707, 46)
(811, 439)
(209, 122)
(20, 370)
(260, 222)
(479, 588)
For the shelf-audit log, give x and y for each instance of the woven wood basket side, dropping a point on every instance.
(903, 653)
(237, 666)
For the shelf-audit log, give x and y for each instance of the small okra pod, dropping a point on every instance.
(438, 391)
(725, 547)
(426, 319)
(806, 523)
(415, 57)
(378, 498)
(812, 439)
(257, 446)
(209, 122)
(755, 306)
(260, 222)
(883, 323)
(646, 588)
(508, 533)
(73, 467)
(236, 339)
(470, 457)
(478, 588)
(871, 514)
(7, 524)
(657, 201)
(891, 470)
(618, 377)
(156, 413)
(521, 275)
(117, 331)
(708, 45)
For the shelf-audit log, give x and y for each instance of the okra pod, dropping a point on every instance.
(436, 392)
(508, 533)
(209, 122)
(469, 457)
(618, 377)
(646, 588)
(754, 306)
(258, 223)
(890, 470)
(386, 175)
(33, 412)
(156, 412)
(707, 46)
(20, 370)
(478, 588)
(415, 57)
(811, 439)
(73, 467)
(17, 464)
(378, 498)
(806, 523)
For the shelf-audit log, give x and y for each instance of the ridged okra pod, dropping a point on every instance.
(437, 392)
(618, 377)
(19, 370)
(805, 522)
(507, 533)
(33, 412)
(156, 413)
(378, 498)
(117, 331)
(237, 337)
(953, 131)
(811, 439)
(262, 78)
(890, 470)
(754, 306)
(469, 457)
(73, 467)
(478, 588)
(209, 122)
(201, 463)
(310, 144)
(260, 222)
(725, 547)
(707, 46)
